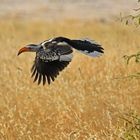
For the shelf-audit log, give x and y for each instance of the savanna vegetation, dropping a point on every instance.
(93, 99)
(133, 19)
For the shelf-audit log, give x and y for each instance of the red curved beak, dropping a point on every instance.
(24, 49)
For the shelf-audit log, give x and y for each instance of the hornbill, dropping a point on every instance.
(53, 55)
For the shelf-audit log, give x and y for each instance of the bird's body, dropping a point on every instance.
(53, 55)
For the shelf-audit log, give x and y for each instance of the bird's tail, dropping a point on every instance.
(88, 47)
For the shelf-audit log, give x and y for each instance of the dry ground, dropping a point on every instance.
(88, 98)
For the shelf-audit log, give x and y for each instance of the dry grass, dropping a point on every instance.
(87, 99)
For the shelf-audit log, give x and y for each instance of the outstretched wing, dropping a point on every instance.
(47, 71)
(88, 47)
(85, 46)
(50, 60)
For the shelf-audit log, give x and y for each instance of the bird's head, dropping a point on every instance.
(29, 48)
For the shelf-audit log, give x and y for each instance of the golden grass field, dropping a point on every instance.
(88, 100)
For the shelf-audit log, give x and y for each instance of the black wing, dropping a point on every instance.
(85, 46)
(47, 71)
(88, 45)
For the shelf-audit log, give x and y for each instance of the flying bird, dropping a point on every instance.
(53, 55)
